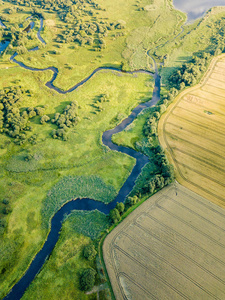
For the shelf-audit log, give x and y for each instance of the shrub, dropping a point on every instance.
(89, 252)
(87, 279)
(114, 215)
(120, 207)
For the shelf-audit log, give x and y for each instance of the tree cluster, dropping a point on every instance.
(66, 120)
(87, 279)
(83, 26)
(189, 73)
(115, 213)
(90, 252)
(98, 102)
(13, 121)
(6, 208)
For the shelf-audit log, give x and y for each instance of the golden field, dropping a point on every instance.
(170, 247)
(192, 132)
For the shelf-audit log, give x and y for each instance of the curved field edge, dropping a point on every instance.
(168, 200)
(162, 135)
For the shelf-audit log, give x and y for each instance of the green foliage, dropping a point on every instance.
(87, 279)
(88, 223)
(69, 118)
(130, 201)
(120, 207)
(114, 215)
(12, 121)
(189, 73)
(44, 119)
(90, 252)
(72, 187)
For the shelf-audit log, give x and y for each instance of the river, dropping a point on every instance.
(196, 8)
(85, 204)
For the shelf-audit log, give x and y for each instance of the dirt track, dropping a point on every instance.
(171, 247)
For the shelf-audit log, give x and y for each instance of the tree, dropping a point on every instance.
(114, 215)
(120, 207)
(131, 200)
(44, 119)
(87, 279)
(151, 186)
(89, 252)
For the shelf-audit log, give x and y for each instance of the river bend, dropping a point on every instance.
(85, 204)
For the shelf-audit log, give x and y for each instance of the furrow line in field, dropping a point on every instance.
(193, 144)
(200, 159)
(201, 106)
(161, 258)
(194, 134)
(192, 112)
(189, 225)
(137, 284)
(150, 271)
(195, 123)
(206, 99)
(193, 212)
(204, 204)
(221, 199)
(149, 232)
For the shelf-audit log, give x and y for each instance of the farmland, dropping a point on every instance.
(170, 247)
(192, 132)
(40, 170)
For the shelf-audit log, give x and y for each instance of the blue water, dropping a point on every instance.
(2, 25)
(3, 45)
(196, 8)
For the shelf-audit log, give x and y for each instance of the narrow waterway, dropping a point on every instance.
(85, 203)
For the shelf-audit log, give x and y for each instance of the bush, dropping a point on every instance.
(89, 252)
(114, 215)
(87, 279)
(44, 119)
(120, 207)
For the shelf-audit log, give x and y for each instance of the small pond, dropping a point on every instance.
(196, 8)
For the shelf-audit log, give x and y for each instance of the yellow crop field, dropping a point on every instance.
(192, 133)
(170, 247)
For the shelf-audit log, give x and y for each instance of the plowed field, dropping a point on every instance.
(170, 247)
(193, 134)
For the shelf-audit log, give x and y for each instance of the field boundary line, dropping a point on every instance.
(191, 132)
(160, 257)
(202, 116)
(193, 212)
(189, 225)
(150, 271)
(185, 239)
(164, 118)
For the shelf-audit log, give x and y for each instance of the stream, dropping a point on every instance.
(85, 203)
(194, 10)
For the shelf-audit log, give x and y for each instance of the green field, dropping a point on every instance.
(43, 173)
(61, 272)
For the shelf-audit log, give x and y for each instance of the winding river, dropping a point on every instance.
(141, 160)
(85, 204)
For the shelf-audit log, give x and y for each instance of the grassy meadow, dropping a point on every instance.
(59, 278)
(57, 170)
(26, 184)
